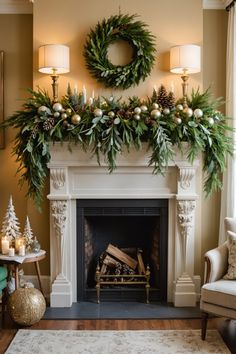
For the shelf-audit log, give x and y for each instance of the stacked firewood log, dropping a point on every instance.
(122, 261)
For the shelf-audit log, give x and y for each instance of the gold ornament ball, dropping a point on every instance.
(57, 107)
(75, 119)
(68, 111)
(97, 112)
(111, 114)
(137, 110)
(63, 115)
(26, 306)
(155, 105)
(180, 107)
(188, 111)
(155, 113)
(143, 108)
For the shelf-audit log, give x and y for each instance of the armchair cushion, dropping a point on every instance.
(221, 293)
(3, 273)
(231, 273)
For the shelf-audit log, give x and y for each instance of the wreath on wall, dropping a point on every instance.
(115, 28)
(108, 126)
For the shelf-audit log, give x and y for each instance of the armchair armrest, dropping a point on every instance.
(216, 262)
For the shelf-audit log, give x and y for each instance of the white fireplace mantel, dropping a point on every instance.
(77, 175)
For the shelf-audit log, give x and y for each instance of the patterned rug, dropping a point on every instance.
(115, 342)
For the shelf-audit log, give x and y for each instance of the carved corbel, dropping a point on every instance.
(58, 177)
(186, 175)
(59, 210)
(185, 216)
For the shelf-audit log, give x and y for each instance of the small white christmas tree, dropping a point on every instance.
(10, 225)
(28, 233)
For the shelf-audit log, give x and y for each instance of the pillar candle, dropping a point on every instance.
(5, 245)
(22, 250)
(11, 252)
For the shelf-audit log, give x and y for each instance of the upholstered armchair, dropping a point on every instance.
(218, 295)
(3, 284)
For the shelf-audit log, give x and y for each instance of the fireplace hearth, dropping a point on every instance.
(128, 224)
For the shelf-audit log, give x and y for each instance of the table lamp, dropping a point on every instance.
(54, 59)
(185, 60)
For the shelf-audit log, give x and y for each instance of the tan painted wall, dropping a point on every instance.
(214, 64)
(69, 25)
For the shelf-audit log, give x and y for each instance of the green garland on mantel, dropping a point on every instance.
(106, 126)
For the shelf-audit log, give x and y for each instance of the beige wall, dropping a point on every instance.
(214, 64)
(69, 25)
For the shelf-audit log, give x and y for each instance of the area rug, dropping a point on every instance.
(115, 342)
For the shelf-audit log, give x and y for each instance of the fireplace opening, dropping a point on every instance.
(128, 225)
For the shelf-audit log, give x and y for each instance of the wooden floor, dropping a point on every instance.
(226, 328)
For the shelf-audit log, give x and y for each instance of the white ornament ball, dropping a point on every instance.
(75, 119)
(155, 113)
(178, 120)
(97, 112)
(43, 109)
(111, 114)
(180, 107)
(137, 117)
(137, 110)
(155, 105)
(56, 114)
(188, 111)
(143, 108)
(166, 111)
(198, 113)
(210, 121)
(63, 115)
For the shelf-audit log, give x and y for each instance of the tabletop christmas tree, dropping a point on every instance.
(10, 225)
(28, 233)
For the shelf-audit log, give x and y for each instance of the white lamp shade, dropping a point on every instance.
(185, 58)
(54, 57)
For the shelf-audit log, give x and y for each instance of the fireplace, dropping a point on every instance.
(128, 224)
(77, 181)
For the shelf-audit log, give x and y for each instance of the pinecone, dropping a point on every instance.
(162, 97)
(171, 100)
(49, 123)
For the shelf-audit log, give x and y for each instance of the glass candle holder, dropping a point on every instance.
(19, 241)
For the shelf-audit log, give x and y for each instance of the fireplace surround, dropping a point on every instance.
(75, 176)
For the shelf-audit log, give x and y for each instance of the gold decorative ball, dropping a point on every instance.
(155, 105)
(75, 119)
(26, 306)
(137, 117)
(155, 113)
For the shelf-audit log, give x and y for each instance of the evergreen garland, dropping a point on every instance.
(120, 27)
(109, 125)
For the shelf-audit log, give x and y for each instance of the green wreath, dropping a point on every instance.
(120, 27)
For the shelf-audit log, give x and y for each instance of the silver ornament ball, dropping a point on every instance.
(56, 114)
(180, 107)
(210, 120)
(166, 111)
(155, 113)
(198, 113)
(97, 112)
(111, 114)
(155, 105)
(137, 110)
(137, 117)
(75, 119)
(57, 107)
(177, 120)
(143, 108)
(43, 109)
